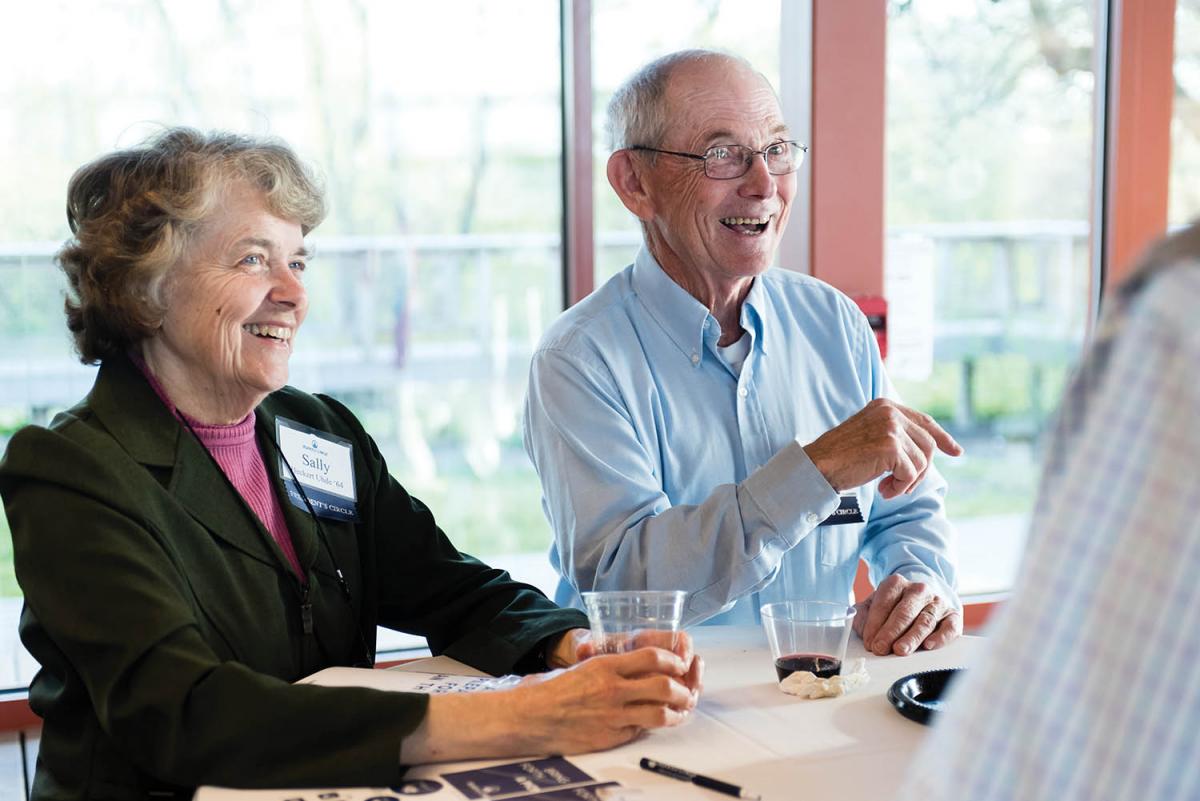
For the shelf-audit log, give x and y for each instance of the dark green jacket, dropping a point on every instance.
(169, 627)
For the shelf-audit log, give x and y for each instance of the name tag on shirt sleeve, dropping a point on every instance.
(317, 465)
(848, 511)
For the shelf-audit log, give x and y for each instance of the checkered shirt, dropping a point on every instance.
(1089, 687)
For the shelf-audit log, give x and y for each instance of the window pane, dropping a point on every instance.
(1185, 125)
(439, 263)
(989, 142)
(626, 34)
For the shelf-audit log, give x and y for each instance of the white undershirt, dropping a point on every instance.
(735, 355)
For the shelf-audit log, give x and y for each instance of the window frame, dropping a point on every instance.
(833, 76)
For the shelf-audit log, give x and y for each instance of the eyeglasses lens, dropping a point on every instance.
(733, 161)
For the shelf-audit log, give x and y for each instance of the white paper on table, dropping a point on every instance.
(399, 680)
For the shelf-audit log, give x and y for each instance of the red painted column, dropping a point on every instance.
(849, 74)
(578, 221)
(1141, 88)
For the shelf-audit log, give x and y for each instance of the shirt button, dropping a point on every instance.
(743, 392)
(695, 358)
(811, 518)
(706, 322)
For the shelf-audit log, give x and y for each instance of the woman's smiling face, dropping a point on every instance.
(234, 306)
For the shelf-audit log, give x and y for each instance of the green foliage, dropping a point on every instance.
(31, 305)
(936, 395)
(1006, 386)
(993, 477)
(986, 118)
(11, 421)
(8, 578)
(989, 117)
(1185, 126)
(502, 514)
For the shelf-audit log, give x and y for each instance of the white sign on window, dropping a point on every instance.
(908, 287)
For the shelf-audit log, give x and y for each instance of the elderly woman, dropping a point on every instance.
(194, 536)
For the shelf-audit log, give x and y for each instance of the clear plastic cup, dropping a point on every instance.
(808, 635)
(617, 617)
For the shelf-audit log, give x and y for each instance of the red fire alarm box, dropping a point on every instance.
(875, 308)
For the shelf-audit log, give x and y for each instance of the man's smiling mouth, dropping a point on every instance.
(750, 226)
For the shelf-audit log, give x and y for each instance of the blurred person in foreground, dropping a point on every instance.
(704, 423)
(194, 536)
(1089, 688)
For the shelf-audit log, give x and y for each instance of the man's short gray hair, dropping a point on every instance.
(637, 113)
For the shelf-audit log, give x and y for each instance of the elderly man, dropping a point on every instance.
(703, 423)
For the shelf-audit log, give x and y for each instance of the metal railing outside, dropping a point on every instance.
(387, 311)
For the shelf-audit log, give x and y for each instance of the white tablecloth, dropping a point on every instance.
(745, 732)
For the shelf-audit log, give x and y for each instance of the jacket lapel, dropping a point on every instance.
(129, 408)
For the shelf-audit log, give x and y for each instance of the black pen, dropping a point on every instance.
(697, 779)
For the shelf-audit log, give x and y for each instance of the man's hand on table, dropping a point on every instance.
(902, 615)
(883, 439)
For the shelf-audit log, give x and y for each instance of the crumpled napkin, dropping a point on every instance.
(805, 684)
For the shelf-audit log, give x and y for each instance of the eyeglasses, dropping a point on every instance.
(723, 162)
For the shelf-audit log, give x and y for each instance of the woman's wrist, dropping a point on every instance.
(564, 651)
(461, 726)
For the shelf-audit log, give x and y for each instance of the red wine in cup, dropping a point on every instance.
(823, 666)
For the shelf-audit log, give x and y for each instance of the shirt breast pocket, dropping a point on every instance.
(840, 544)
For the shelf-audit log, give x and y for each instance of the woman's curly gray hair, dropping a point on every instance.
(135, 213)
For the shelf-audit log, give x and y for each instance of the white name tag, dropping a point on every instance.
(322, 464)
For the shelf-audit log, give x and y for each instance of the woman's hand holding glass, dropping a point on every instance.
(577, 645)
(607, 699)
(590, 703)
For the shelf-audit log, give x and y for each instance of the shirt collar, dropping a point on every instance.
(685, 319)
(755, 311)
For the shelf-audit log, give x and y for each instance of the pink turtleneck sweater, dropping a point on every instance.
(236, 451)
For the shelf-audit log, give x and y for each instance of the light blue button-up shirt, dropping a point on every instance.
(664, 468)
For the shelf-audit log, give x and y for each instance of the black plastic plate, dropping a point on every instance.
(918, 696)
